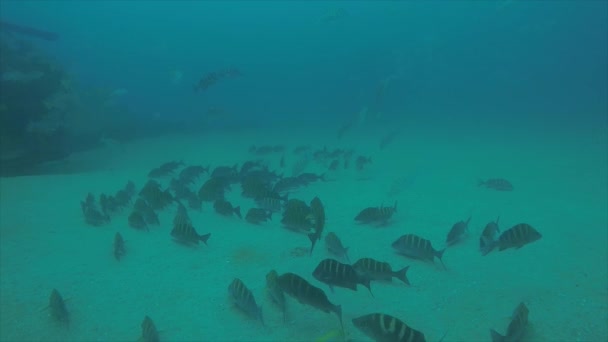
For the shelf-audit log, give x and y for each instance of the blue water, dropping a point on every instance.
(469, 90)
(476, 57)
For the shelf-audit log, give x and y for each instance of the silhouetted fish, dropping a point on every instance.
(335, 247)
(376, 215)
(487, 241)
(518, 236)
(225, 208)
(497, 184)
(386, 328)
(318, 214)
(517, 327)
(257, 215)
(275, 292)
(57, 308)
(457, 232)
(119, 246)
(378, 270)
(335, 273)
(416, 247)
(149, 333)
(298, 288)
(244, 300)
(186, 234)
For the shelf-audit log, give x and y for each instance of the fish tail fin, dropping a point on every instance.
(313, 240)
(439, 256)
(496, 337)
(480, 182)
(365, 281)
(402, 275)
(205, 237)
(338, 310)
(260, 316)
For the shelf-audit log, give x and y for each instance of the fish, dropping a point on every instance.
(517, 237)
(334, 165)
(171, 166)
(362, 161)
(416, 247)
(181, 216)
(385, 328)
(335, 247)
(389, 138)
(137, 221)
(376, 215)
(119, 246)
(213, 189)
(186, 234)
(95, 217)
(273, 204)
(155, 197)
(307, 294)
(498, 184)
(378, 270)
(244, 300)
(213, 77)
(225, 208)
(275, 292)
(191, 173)
(301, 149)
(307, 178)
(334, 273)
(516, 328)
(158, 173)
(487, 241)
(228, 173)
(149, 333)
(318, 213)
(58, 310)
(257, 215)
(458, 232)
(297, 216)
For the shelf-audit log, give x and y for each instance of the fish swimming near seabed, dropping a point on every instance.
(487, 240)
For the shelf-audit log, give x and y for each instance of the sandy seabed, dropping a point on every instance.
(560, 189)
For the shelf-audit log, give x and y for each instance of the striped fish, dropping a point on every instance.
(518, 236)
(335, 273)
(275, 292)
(305, 293)
(186, 234)
(414, 246)
(244, 300)
(376, 215)
(181, 216)
(272, 204)
(383, 327)
(517, 326)
(148, 331)
(378, 270)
